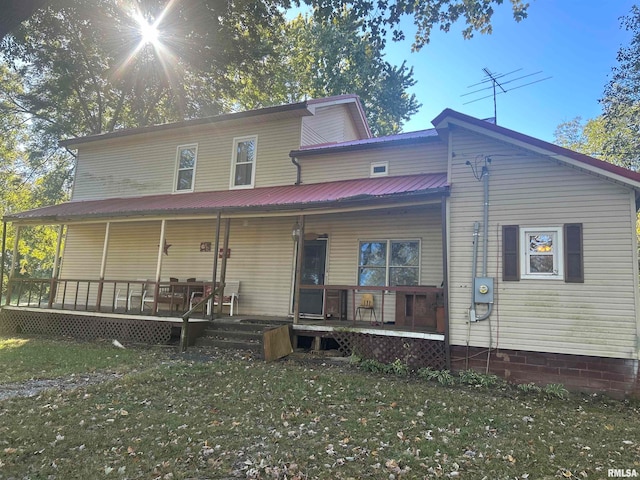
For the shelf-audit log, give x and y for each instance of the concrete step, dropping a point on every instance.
(250, 335)
(229, 344)
(243, 334)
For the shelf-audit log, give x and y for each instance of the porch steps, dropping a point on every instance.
(239, 334)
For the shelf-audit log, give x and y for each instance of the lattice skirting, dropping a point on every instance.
(84, 327)
(414, 352)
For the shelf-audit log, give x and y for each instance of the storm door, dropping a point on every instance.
(313, 272)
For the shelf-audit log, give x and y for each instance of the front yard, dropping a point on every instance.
(153, 414)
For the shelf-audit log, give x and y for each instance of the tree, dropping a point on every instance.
(23, 188)
(314, 59)
(381, 17)
(621, 100)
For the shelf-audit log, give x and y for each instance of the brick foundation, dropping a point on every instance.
(617, 377)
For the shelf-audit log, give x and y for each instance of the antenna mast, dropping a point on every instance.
(496, 81)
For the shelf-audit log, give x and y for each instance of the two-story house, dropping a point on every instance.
(477, 245)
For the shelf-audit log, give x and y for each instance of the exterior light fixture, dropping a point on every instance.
(296, 232)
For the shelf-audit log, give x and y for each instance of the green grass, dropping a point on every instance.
(230, 417)
(23, 358)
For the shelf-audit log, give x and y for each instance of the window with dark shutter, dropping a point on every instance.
(510, 259)
(573, 256)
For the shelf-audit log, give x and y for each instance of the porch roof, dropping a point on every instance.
(344, 193)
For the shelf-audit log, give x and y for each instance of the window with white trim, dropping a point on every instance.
(186, 168)
(389, 262)
(542, 253)
(379, 169)
(243, 167)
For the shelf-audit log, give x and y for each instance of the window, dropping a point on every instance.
(243, 168)
(379, 169)
(541, 249)
(186, 168)
(389, 262)
(543, 253)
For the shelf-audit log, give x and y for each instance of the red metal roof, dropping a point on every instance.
(294, 197)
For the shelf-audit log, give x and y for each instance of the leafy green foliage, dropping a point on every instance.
(621, 100)
(443, 377)
(529, 388)
(382, 17)
(473, 378)
(556, 390)
(315, 58)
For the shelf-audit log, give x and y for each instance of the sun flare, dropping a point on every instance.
(149, 33)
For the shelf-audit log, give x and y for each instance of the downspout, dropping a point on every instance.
(295, 161)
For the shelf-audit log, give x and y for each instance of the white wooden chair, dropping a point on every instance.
(231, 297)
(136, 290)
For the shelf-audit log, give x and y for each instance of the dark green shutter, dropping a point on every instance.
(573, 255)
(510, 253)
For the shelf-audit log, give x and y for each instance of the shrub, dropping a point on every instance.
(556, 390)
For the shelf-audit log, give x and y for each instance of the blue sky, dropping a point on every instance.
(573, 41)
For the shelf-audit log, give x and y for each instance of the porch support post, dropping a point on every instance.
(216, 248)
(445, 281)
(4, 241)
(14, 261)
(299, 259)
(223, 267)
(53, 288)
(156, 288)
(103, 264)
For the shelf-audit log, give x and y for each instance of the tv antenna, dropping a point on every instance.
(497, 83)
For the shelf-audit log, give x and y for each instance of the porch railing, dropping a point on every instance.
(418, 298)
(115, 296)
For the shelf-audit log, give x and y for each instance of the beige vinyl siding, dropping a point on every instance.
(347, 230)
(597, 317)
(145, 164)
(262, 252)
(328, 125)
(85, 244)
(416, 159)
(261, 257)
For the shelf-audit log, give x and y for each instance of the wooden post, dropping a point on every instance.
(103, 265)
(14, 261)
(216, 247)
(299, 260)
(53, 287)
(445, 282)
(156, 288)
(223, 267)
(4, 241)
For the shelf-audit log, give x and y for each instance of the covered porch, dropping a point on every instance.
(299, 257)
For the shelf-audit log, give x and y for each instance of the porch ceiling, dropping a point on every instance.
(295, 198)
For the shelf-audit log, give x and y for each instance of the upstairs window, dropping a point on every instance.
(243, 168)
(186, 168)
(389, 263)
